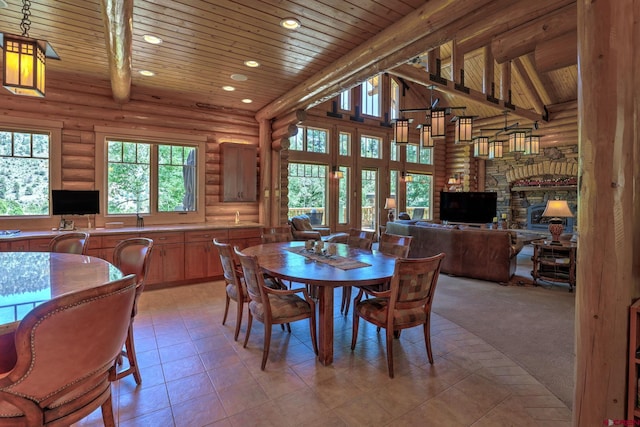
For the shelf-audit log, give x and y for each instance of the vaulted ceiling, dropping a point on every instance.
(338, 45)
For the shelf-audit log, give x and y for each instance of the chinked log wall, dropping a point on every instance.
(83, 104)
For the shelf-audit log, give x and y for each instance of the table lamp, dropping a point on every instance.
(390, 204)
(556, 209)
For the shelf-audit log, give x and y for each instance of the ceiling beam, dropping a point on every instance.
(117, 16)
(533, 94)
(533, 74)
(438, 19)
(523, 39)
(418, 75)
(556, 53)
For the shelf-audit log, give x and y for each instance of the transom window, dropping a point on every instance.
(147, 177)
(370, 147)
(345, 100)
(394, 108)
(24, 173)
(370, 96)
(418, 154)
(309, 139)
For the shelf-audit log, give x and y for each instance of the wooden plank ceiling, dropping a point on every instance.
(206, 42)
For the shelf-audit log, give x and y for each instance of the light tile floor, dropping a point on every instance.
(195, 374)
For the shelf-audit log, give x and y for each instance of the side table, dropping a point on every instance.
(554, 262)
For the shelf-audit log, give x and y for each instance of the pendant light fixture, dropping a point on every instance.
(401, 131)
(425, 136)
(481, 146)
(495, 150)
(464, 128)
(24, 59)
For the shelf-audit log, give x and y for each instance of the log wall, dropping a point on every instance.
(88, 103)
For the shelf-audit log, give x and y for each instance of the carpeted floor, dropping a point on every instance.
(533, 325)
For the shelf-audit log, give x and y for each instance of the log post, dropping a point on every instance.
(557, 53)
(432, 59)
(118, 28)
(488, 74)
(265, 190)
(505, 81)
(608, 278)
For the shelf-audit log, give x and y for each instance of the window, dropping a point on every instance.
(345, 100)
(312, 140)
(370, 96)
(412, 153)
(394, 108)
(394, 152)
(369, 199)
(308, 191)
(134, 166)
(343, 195)
(25, 181)
(344, 148)
(419, 196)
(370, 147)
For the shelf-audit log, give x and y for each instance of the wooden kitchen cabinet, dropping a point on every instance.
(201, 259)
(239, 176)
(244, 237)
(167, 257)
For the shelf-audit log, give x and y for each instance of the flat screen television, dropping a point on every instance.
(472, 207)
(75, 202)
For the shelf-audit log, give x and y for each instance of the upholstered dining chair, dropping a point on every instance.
(395, 245)
(235, 289)
(406, 304)
(274, 306)
(361, 239)
(276, 234)
(76, 242)
(132, 256)
(66, 348)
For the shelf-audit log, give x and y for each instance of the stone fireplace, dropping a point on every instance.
(535, 220)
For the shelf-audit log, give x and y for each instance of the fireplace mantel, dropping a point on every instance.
(545, 188)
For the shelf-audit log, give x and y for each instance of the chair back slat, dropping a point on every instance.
(228, 261)
(253, 278)
(395, 245)
(414, 282)
(361, 239)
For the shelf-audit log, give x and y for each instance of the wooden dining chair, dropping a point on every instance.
(66, 349)
(76, 242)
(361, 239)
(132, 256)
(276, 234)
(235, 289)
(406, 304)
(274, 306)
(395, 245)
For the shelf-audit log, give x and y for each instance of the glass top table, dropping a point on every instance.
(30, 278)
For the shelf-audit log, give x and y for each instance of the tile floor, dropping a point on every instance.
(195, 374)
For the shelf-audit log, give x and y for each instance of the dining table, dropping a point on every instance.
(292, 261)
(28, 279)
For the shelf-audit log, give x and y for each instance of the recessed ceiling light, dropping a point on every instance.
(247, 101)
(147, 73)
(251, 63)
(228, 88)
(152, 39)
(290, 23)
(239, 77)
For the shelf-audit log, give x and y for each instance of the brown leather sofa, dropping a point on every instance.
(301, 229)
(470, 252)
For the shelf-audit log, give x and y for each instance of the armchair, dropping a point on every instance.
(301, 229)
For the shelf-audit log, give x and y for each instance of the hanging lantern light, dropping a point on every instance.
(24, 59)
(532, 144)
(425, 136)
(438, 129)
(481, 146)
(495, 149)
(464, 127)
(401, 131)
(516, 141)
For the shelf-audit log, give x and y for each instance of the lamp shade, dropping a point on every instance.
(425, 136)
(516, 141)
(481, 146)
(390, 203)
(24, 65)
(464, 127)
(401, 131)
(495, 149)
(532, 144)
(438, 129)
(557, 209)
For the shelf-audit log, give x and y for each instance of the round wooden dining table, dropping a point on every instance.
(349, 267)
(31, 278)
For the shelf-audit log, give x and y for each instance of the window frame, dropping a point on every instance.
(54, 129)
(104, 134)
